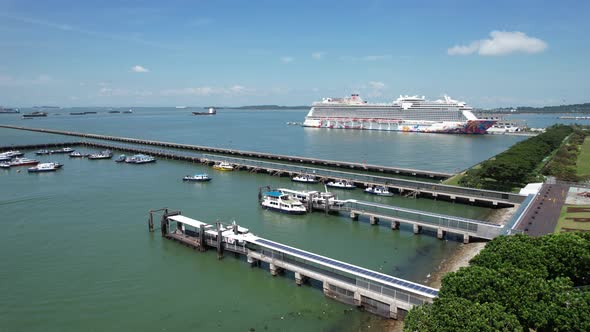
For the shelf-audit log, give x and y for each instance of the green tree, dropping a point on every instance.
(567, 255)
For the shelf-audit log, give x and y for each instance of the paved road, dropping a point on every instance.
(542, 216)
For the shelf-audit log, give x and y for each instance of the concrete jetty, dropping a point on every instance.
(375, 292)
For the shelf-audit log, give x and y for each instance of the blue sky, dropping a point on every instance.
(167, 53)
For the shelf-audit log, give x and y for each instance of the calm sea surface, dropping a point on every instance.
(77, 254)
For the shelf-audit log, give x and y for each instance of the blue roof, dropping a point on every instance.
(273, 193)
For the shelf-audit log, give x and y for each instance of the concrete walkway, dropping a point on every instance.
(544, 212)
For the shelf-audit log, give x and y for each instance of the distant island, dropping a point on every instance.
(267, 107)
(573, 108)
(46, 107)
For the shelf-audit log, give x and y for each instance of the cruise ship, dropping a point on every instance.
(406, 113)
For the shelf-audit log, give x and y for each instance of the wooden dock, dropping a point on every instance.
(251, 154)
(373, 291)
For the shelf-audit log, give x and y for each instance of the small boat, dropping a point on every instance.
(45, 167)
(121, 158)
(77, 154)
(8, 110)
(223, 166)
(19, 162)
(35, 114)
(113, 112)
(197, 178)
(5, 158)
(42, 152)
(11, 154)
(62, 150)
(275, 200)
(210, 111)
(106, 154)
(140, 159)
(305, 178)
(342, 184)
(378, 190)
(128, 111)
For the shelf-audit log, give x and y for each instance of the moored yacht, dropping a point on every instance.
(42, 152)
(45, 167)
(275, 200)
(19, 162)
(121, 158)
(378, 190)
(305, 178)
(106, 154)
(342, 184)
(140, 159)
(197, 178)
(223, 166)
(11, 154)
(63, 150)
(77, 154)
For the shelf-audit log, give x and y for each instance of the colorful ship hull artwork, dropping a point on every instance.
(407, 114)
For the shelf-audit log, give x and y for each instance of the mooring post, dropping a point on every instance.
(417, 228)
(219, 242)
(440, 234)
(151, 222)
(202, 244)
(374, 220)
(354, 216)
(395, 224)
(465, 238)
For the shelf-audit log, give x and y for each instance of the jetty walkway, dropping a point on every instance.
(251, 154)
(438, 222)
(408, 188)
(376, 292)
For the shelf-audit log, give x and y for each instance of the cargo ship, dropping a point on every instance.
(406, 113)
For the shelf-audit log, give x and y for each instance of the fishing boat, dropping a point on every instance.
(275, 200)
(197, 178)
(77, 154)
(121, 159)
(342, 184)
(140, 159)
(106, 154)
(223, 166)
(378, 190)
(19, 162)
(45, 167)
(63, 150)
(305, 178)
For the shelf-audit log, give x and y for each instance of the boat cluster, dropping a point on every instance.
(343, 184)
(11, 159)
(297, 202)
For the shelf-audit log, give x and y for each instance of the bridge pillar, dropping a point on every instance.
(393, 311)
(395, 225)
(326, 288)
(274, 270)
(374, 220)
(440, 233)
(465, 238)
(417, 228)
(299, 278)
(357, 299)
(252, 261)
(353, 216)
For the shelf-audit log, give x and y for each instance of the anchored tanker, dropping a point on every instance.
(407, 113)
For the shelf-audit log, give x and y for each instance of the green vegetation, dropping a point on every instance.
(563, 163)
(573, 108)
(583, 162)
(518, 165)
(516, 283)
(567, 224)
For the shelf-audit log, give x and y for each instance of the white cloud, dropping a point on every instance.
(501, 43)
(318, 55)
(287, 59)
(139, 69)
(208, 91)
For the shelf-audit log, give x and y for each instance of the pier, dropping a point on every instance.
(404, 187)
(251, 154)
(437, 222)
(375, 292)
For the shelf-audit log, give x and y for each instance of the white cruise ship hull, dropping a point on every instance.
(461, 127)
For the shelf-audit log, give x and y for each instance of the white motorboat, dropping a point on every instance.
(223, 166)
(45, 167)
(62, 150)
(106, 154)
(11, 154)
(378, 190)
(197, 178)
(19, 162)
(342, 184)
(275, 200)
(140, 159)
(77, 154)
(305, 178)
